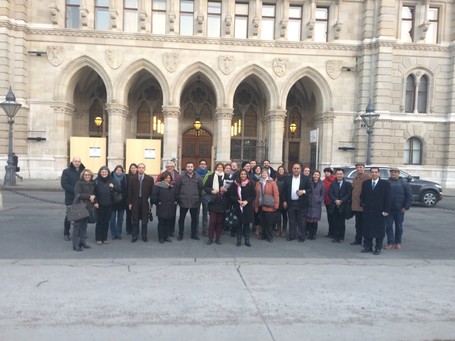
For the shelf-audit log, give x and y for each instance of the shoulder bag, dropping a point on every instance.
(77, 210)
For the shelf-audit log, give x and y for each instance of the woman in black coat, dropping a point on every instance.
(85, 190)
(132, 171)
(242, 194)
(104, 185)
(281, 176)
(214, 185)
(118, 209)
(163, 196)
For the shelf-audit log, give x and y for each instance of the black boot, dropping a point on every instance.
(85, 245)
(239, 240)
(246, 231)
(247, 241)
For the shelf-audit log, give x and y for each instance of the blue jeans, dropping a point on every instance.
(116, 223)
(397, 218)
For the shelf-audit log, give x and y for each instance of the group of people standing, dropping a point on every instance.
(377, 204)
(232, 198)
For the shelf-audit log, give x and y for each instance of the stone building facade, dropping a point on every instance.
(246, 70)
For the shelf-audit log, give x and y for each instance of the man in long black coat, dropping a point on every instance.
(376, 198)
(139, 193)
(340, 192)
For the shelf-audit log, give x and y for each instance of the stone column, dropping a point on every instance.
(117, 134)
(61, 133)
(223, 134)
(274, 132)
(325, 124)
(171, 133)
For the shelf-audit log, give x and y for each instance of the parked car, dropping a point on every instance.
(425, 192)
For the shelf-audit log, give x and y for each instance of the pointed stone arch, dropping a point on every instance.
(269, 87)
(123, 85)
(66, 82)
(320, 88)
(211, 77)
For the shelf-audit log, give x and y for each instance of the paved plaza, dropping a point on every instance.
(316, 290)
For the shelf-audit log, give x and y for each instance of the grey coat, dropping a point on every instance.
(188, 190)
(316, 199)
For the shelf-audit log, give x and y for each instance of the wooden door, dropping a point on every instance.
(196, 146)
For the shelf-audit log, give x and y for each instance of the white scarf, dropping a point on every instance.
(216, 180)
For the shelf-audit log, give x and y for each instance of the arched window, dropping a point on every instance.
(422, 95)
(410, 93)
(413, 151)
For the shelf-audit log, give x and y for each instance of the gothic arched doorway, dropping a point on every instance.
(196, 145)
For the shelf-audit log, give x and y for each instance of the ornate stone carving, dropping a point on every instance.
(256, 22)
(283, 27)
(113, 17)
(84, 15)
(224, 114)
(55, 55)
(171, 18)
(424, 29)
(228, 24)
(54, 13)
(171, 61)
(172, 114)
(310, 30)
(226, 64)
(280, 66)
(333, 68)
(338, 25)
(142, 19)
(200, 22)
(113, 58)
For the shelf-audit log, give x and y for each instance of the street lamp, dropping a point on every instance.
(11, 107)
(293, 128)
(369, 117)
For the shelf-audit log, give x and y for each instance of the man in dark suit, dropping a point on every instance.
(297, 190)
(340, 192)
(375, 198)
(139, 192)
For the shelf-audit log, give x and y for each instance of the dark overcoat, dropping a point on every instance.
(374, 202)
(246, 215)
(221, 202)
(188, 190)
(304, 185)
(163, 197)
(122, 205)
(337, 193)
(133, 196)
(70, 176)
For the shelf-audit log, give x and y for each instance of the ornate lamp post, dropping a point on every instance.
(11, 107)
(369, 117)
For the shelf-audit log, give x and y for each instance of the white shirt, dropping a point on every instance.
(295, 187)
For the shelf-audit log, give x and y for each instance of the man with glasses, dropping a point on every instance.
(204, 173)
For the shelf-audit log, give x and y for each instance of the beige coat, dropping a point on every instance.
(357, 190)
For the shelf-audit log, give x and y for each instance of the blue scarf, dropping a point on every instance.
(118, 178)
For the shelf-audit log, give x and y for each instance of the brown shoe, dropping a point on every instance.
(388, 247)
(398, 246)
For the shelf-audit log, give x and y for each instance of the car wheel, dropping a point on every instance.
(428, 198)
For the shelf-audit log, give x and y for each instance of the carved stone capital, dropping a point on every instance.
(275, 116)
(175, 113)
(114, 109)
(224, 114)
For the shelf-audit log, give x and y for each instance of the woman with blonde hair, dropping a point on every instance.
(84, 190)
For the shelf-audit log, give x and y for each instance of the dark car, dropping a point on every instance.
(427, 193)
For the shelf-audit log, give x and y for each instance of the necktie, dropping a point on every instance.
(340, 183)
(140, 185)
(373, 185)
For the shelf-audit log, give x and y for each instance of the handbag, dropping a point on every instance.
(348, 213)
(117, 197)
(77, 210)
(209, 198)
(268, 200)
(93, 217)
